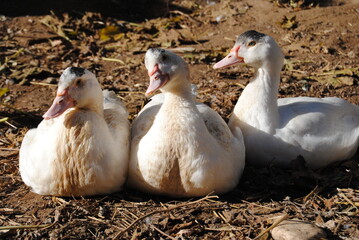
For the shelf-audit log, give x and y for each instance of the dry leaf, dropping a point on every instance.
(3, 91)
(111, 32)
(288, 23)
(55, 25)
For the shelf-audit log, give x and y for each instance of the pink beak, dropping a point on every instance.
(61, 103)
(157, 80)
(231, 59)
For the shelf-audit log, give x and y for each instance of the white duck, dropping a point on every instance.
(82, 146)
(180, 147)
(322, 130)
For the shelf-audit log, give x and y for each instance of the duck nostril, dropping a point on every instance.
(61, 101)
(229, 56)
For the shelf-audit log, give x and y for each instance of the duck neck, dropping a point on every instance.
(257, 106)
(181, 96)
(178, 110)
(93, 106)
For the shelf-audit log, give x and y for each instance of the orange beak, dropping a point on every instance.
(61, 103)
(157, 80)
(231, 59)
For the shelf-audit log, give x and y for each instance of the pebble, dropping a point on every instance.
(351, 54)
(9, 82)
(297, 230)
(219, 18)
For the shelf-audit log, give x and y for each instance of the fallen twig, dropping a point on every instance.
(43, 84)
(182, 49)
(240, 85)
(281, 219)
(356, 204)
(129, 92)
(11, 125)
(316, 190)
(6, 210)
(9, 149)
(258, 205)
(26, 226)
(346, 198)
(161, 211)
(163, 233)
(113, 60)
(223, 229)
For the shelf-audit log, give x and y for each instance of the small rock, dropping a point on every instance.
(210, 3)
(351, 54)
(297, 230)
(219, 18)
(9, 82)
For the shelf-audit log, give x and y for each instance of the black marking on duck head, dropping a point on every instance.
(157, 51)
(250, 35)
(77, 71)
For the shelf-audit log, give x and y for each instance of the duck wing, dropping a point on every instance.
(318, 116)
(324, 130)
(146, 116)
(215, 124)
(116, 116)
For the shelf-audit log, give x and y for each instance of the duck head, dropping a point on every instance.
(167, 71)
(255, 49)
(77, 88)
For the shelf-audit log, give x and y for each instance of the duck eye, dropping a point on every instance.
(78, 82)
(251, 44)
(164, 57)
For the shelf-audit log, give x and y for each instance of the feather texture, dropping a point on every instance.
(180, 147)
(322, 130)
(85, 150)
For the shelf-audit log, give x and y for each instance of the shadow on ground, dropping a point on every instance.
(135, 10)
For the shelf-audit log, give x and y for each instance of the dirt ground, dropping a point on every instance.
(321, 45)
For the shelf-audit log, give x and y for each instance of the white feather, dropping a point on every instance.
(181, 147)
(84, 151)
(322, 130)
